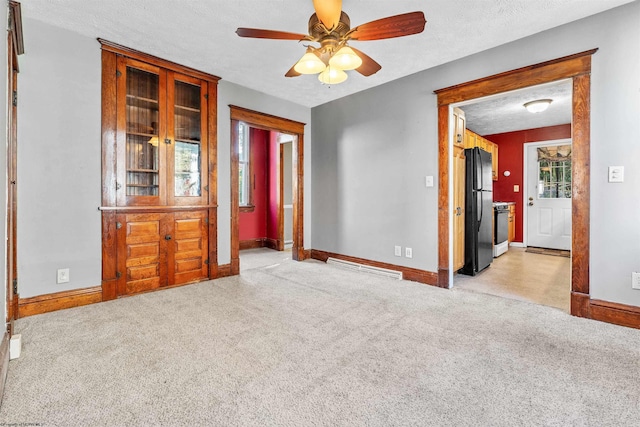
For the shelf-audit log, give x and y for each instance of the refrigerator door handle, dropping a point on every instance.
(476, 183)
(481, 171)
(479, 208)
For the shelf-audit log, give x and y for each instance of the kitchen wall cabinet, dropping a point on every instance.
(472, 139)
(511, 219)
(459, 173)
(159, 187)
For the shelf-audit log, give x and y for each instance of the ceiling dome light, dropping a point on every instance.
(538, 105)
(332, 76)
(345, 59)
(309, 64)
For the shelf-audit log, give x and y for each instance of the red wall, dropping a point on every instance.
(274, 190)
(511, 158)
(265, 155)
(253, 225)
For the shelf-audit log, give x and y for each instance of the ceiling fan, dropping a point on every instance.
(331, 28)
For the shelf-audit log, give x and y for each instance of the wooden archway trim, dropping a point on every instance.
(576, 67)
(268, 122)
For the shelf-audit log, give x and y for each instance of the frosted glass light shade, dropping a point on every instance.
(332, 76)
(309, 64)
(537, 106)
(345, 59)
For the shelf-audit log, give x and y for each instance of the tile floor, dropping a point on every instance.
(541, 279)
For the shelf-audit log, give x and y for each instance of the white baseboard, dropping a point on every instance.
(517, 245)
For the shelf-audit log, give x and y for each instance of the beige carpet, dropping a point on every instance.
(308, 344)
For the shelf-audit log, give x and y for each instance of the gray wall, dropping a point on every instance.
(59, 158)
(372, 151)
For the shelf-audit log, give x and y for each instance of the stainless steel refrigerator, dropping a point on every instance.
(478, 250)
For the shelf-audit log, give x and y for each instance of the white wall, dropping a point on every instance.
(59, 158)
(372, 151)
(232, 94)
(4, 12)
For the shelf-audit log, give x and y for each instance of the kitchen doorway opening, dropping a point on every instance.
(500, 126)
(575, 67)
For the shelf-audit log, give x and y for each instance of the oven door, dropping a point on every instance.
(501, 226)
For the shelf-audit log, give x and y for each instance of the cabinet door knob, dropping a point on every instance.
(167, 141)
(167, 237)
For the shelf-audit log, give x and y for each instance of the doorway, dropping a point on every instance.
(575, 67)
(294, 135)
(547, 190)
(500, 126)
(265, 188)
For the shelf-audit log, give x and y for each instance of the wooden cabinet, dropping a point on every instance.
(494, 160)
(512, 222)
(472, 139)
(159, 188)
(161, 249)
(458, 189)
(469, 139)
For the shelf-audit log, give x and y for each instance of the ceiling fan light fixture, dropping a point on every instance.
(537, 106)
(309, 64)
(345, 59)
(332, 76)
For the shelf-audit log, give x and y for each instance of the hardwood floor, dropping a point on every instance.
(541, 279)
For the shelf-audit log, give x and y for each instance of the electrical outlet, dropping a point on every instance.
(635, 280)
(408, 252)
(616, 173)
(63, 275)
(398, 250)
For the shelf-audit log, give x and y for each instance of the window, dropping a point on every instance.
(554, 179)
(244, 166)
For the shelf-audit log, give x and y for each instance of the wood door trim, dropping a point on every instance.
(544, 72)
(278, 124)
(578, 68)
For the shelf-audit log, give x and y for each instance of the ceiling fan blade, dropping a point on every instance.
(390, 27)
(369, 66)
(328, 11)
(292, 72)
(269, 34)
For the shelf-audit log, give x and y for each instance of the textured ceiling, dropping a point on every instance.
(201, 34)
(506, 113)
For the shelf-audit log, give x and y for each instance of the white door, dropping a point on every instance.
(548, 195)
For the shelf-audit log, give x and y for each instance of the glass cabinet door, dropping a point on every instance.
(142, 110)
(187, 128)
(187, 109)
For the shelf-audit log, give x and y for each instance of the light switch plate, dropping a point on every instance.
(616, 173)
(429, 181)
(516, 188)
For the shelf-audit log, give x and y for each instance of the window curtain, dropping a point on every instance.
(555, 153)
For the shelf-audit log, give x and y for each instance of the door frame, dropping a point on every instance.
(576, 67)
(268, 122)
(525, 181)
(15, 47)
